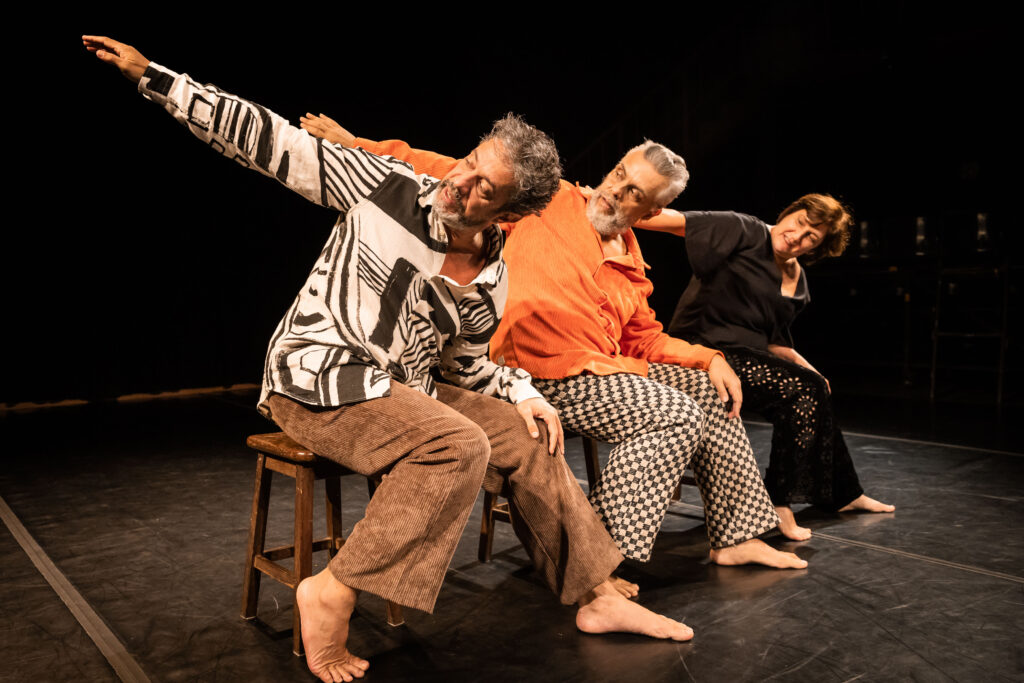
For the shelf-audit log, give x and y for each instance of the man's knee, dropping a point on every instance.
(681, 415)
(690, 419)
(461, 441)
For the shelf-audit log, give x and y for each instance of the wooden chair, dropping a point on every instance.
(495, 511)
(278, 453)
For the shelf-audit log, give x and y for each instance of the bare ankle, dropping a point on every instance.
(606, 587)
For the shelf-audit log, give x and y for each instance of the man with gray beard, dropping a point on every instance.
(577, 320)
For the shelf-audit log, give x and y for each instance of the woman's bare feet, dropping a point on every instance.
(866, 504)
(756, 551)
(627, 588)
(788, 525)
(325, 606)
(606, 610)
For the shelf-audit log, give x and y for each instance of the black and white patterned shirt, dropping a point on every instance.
(375, 307)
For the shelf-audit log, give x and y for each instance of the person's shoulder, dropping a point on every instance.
(722, 216)
(570, 199)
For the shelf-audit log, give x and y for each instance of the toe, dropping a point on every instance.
(338, 674)
(682, 632)
(353, 669)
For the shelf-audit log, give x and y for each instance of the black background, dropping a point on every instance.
(138, 260)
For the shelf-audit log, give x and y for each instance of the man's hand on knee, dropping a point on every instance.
(539, 408)
(727, 384)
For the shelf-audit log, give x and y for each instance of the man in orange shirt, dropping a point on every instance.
(577, 320)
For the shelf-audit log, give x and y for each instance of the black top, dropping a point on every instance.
(735, 297)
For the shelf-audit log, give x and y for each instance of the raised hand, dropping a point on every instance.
(125, 57)
(323, 126)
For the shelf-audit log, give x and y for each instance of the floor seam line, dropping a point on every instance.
(923, 558)
(124, 665)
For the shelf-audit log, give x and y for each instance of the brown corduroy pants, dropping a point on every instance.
(435, 454)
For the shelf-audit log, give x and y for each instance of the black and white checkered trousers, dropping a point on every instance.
(659, 424)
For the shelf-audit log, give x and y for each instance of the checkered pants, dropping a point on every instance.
(659, 424)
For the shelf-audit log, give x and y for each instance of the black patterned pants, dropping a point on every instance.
(659, 424)
(809, 461)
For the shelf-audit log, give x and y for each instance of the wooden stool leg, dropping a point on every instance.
(303, 541)
(257, 537)
(333, 486)
(593, 464)
(395, 617)
(487, 527)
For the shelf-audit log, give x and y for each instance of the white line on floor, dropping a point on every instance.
(113, 649)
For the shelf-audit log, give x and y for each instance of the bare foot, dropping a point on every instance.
(868, 505)
(627, 588)
(788, 525)
(325, 606)
(756, 551)
(605, 610)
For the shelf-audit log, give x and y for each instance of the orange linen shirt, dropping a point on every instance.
(570, 309)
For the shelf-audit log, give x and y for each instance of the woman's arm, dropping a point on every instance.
(791, 354)
(669, 220)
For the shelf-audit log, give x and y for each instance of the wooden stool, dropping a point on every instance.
(499, 512)
(278, 453)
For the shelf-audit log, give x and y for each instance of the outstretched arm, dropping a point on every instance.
(323, 126)
(422, 161)
(669, 220)
(252, 135)
(125, 58)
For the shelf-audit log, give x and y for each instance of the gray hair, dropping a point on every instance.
(667, 163)
(534, 160)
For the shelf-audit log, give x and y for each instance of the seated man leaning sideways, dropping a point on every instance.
(411, 280)
(577, 319)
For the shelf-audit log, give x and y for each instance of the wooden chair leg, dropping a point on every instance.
(333, 487)
(257, 537)
(303, 541)
(487, 527)
(593, 464)
(395, 616)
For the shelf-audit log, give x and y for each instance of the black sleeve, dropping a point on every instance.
(713, 236)
(782, 337)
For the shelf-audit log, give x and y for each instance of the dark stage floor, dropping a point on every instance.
(145, 507)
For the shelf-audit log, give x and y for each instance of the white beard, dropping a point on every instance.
(606, 225)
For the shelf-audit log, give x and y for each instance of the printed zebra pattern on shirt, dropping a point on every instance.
(374, 307)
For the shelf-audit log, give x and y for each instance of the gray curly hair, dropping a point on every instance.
(669, 164)
(534, 160)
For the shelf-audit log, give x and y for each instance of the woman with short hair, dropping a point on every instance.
(748, 285)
